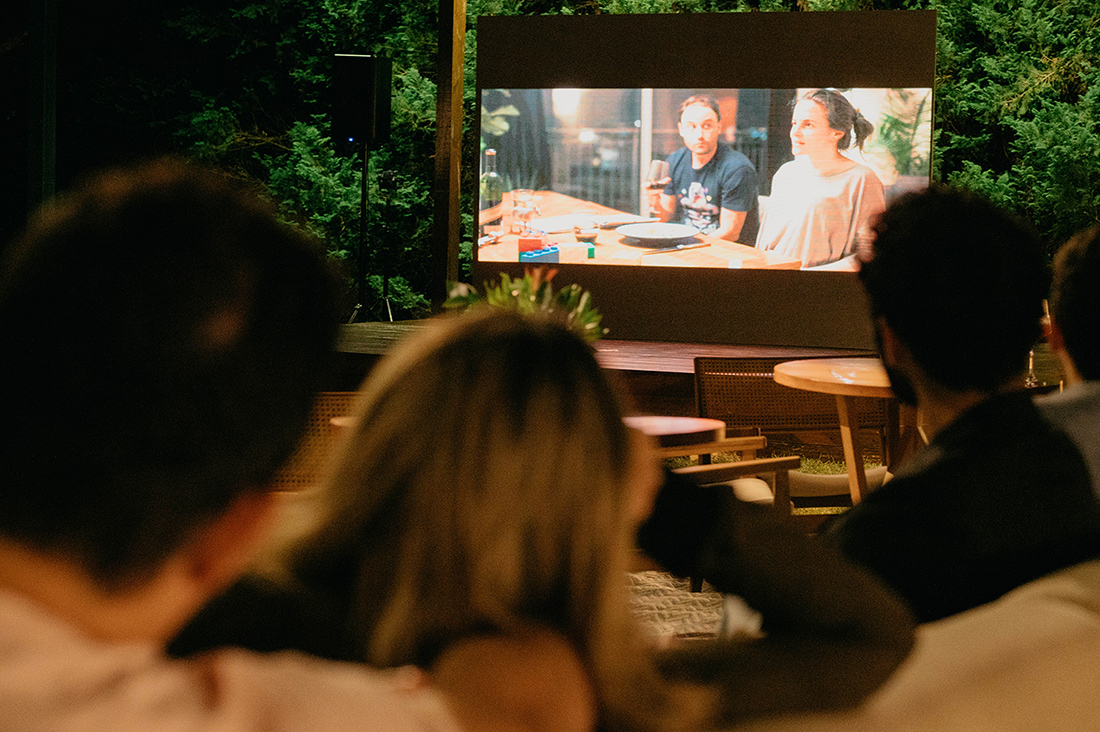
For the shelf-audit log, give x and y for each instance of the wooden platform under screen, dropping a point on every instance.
(659, 376)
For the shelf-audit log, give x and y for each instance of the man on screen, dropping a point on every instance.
(709, 185)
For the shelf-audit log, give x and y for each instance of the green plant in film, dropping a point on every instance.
(533, 293)
(898, 131)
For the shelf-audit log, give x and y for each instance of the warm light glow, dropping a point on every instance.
(566, 102)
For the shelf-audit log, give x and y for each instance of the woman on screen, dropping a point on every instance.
(822, 202)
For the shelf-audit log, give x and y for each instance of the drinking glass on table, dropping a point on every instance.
(524, 209)
(656, 180)
(586, 226)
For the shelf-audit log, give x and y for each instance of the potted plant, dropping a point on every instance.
(533, 293)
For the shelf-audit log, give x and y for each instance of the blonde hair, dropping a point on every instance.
(485, 487)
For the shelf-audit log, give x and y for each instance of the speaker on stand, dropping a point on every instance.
(361, 89)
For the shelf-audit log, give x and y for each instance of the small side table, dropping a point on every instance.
(847, 378)
(674, 431)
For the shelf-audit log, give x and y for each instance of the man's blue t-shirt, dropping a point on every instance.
(728, 180)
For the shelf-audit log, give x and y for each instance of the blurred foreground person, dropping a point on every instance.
(163, 337)
(1031, 659)
(485, 505)
(999, 496)
(1075, 338)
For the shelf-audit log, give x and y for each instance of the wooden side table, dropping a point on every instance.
(846, 378)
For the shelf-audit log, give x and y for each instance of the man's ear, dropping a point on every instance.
(222, 550)
(1055, 338)
(893, 350)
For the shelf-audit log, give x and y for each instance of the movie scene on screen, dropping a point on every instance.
(726, 178)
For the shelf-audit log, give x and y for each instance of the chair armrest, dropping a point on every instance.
(722, 472)
(726, 444)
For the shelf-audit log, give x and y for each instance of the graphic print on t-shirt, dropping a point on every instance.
(697, 208)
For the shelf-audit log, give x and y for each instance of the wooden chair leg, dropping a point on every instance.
(782, 502)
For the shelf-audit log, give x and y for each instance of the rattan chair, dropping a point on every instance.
(778, 467)
(737, 473)
(746, 445)
(304, 467)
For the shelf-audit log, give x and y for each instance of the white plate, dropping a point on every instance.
(658, 232)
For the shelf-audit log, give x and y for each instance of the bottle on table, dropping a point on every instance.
(491, 192)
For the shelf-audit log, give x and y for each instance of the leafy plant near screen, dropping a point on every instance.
(533, 293)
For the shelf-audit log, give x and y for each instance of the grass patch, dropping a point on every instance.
(811, 465)
(815, 466)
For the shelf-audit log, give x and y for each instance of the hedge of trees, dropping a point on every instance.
(242, 84)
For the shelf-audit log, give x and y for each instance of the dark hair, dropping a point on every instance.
(706, 99)
(163, 337)
(842, 117)
(961, 282)
(1075, 299)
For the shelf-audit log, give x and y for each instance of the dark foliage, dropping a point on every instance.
(243, 84)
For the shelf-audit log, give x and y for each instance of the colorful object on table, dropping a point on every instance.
(533, 240)
(545, 255)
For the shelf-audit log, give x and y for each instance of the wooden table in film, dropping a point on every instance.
(612, 247)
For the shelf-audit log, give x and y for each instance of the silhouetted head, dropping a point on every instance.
(163, 336)
(961, 283)
(1075, 300)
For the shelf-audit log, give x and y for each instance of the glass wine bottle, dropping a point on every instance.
(491, 191)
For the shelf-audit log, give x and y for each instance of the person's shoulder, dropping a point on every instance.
(1077, 398)
(865, 174)
(895, 512)
(532, 679)
(293, 691)
(735, 158)
(676, 157)
(786, 170)
(1005, 449)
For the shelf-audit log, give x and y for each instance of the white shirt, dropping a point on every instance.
(818, 219)
(54, 678)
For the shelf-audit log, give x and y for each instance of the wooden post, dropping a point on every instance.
(448, 145)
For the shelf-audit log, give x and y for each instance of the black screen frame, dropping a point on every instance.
(781, 50)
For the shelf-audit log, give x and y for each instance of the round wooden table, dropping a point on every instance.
(847, 378)
(668, 431)
(673, 431)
